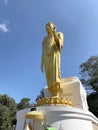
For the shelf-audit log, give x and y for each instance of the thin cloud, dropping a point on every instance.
(3, 27)
(5, 1)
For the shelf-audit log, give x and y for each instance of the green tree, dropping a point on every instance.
(7, 112)
(24, 103)
(89, 73)
(93, 103)
(40, 96)
(8, 109)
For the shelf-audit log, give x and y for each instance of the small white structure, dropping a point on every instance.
(59, 116)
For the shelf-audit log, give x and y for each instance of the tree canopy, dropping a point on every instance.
(8, 109)
(89, 73)
(24, 103)
(7, 112)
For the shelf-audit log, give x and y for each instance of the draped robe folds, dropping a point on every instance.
(51, 58)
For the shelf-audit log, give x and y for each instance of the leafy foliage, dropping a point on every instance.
(7, 112)
(8, 109)
(93, 103)
(41, 95)
(89, 72)
(24, 103)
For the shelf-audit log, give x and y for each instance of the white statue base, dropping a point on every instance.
(68, 118)
(59, 116)
(72, 89)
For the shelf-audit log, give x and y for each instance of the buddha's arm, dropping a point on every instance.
(56, 40)
(58, 37)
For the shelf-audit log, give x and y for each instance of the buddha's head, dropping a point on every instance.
(50, 27)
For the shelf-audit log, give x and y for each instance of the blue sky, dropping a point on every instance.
(22, 28)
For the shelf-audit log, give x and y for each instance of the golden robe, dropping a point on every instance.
(51, 58)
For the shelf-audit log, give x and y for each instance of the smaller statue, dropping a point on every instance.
(51, 54)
